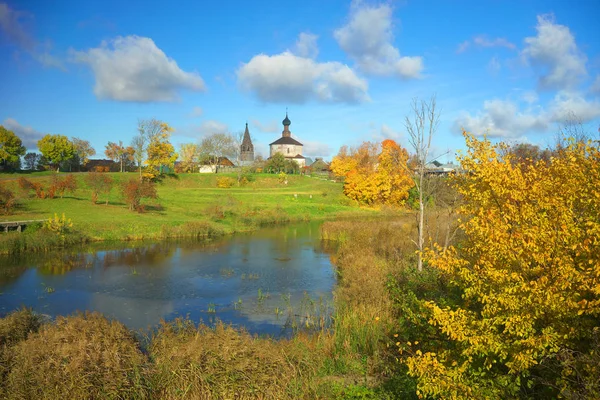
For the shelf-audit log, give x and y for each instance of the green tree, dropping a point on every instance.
(56, 149)
(32, 160)
(276, 163)
(11, 147)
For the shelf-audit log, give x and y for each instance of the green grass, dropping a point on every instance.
(184, 201)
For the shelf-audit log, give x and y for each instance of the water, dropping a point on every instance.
(270, 281)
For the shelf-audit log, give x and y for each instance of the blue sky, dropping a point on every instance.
(346, 71)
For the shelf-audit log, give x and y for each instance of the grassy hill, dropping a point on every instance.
(185, 201)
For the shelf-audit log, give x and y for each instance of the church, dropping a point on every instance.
(287, 145)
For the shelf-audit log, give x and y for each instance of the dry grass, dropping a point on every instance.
(224, 363)
(84, 356)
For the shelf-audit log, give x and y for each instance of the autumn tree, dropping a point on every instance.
(421, 127)
(119, 153)
(56, 149)
(83, 151)
(133, 191)
(214, 148)
(276, 163)
(31, 161)
(188, 154)
(99, 183)
(11, 147)
(529, 274)
(161, 152)
(373, 173)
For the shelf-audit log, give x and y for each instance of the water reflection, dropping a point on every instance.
(270, 281)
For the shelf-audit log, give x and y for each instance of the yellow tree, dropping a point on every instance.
(374, 174)
(529, 273)
(161, 152)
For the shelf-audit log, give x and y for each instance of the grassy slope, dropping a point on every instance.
(187, 198)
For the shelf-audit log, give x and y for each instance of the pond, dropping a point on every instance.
(272, 281)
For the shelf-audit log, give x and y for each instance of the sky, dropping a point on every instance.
(346, 71)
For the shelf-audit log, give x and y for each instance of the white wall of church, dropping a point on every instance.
(283, 149)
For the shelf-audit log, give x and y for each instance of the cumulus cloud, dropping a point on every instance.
(567, 104)
(133, 68)
(367, 38)
(27, 134)
(288, 78)
(500, 118)
(268, 127)
(211, 126)
(554, 54)
(316, 149)
(306, 45)
(482, 41)
(14, 31)
(505, 119)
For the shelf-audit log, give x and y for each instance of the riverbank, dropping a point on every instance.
(188, 205)
(182, 360)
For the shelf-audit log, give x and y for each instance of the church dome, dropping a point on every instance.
(286, 121)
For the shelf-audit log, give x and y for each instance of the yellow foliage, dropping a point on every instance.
(373, 175)
(529, 270)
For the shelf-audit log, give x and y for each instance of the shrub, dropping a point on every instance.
(7, 200)
(60, 186)
(225, 182)
(99, 183)
(26, 185)
(58, 225)
(282, 178)
(134, 191)
(83, 356)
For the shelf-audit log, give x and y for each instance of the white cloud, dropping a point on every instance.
(287, 78)
(268, 127)
(485, 42)
(505, 119)
(316, 149)
(530, 97)
(306, 45)
(567, 104)
(11, 26)
(209, 127)
(196, 112)
(133, 68)
(367, 39)
(554, 53)
(27, 134)
(501, 118)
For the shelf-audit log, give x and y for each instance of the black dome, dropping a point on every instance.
(286, 121)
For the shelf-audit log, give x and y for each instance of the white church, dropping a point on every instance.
(287, 145)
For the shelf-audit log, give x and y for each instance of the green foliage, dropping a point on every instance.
(275, 164)
(56, 148)
(11, 146)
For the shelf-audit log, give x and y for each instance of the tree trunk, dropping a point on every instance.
(421, 216)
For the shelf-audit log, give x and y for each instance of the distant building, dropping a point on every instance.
(247, 148)
(287, 145)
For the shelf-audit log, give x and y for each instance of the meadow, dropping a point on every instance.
(187, 205)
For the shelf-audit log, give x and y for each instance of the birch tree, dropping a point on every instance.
(421, 126)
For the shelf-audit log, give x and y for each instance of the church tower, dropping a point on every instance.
(247, 148)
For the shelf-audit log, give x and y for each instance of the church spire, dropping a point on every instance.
(286, 126)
